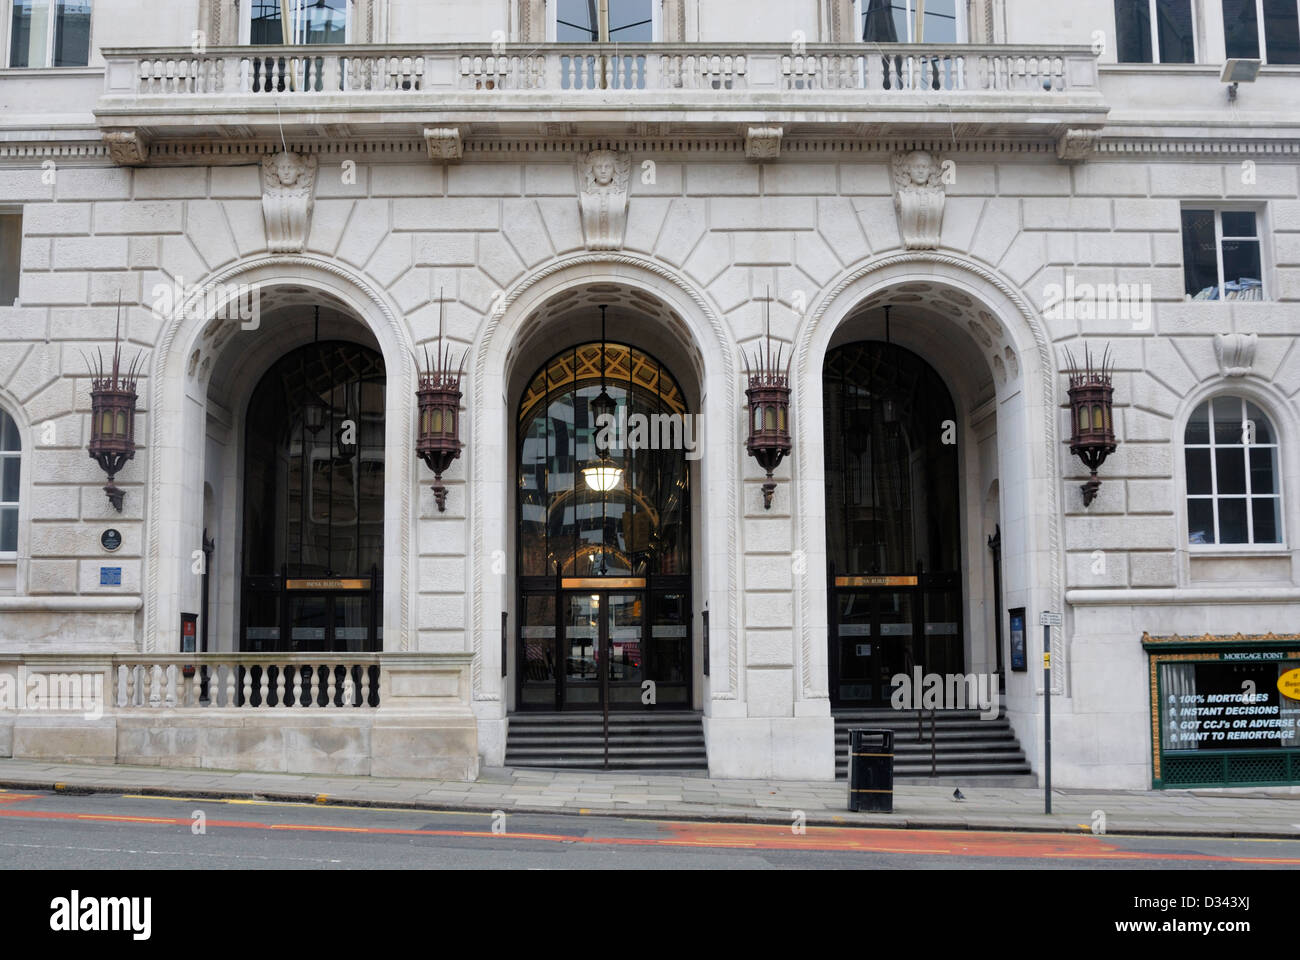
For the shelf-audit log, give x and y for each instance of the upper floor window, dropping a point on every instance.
(619, 21)
(11, 246)
(1242, 21)
(310, 21)
(10, 463)
(1154, 31)
(911, 21)
(1221, 255)
(1234, 491)
(49, 33)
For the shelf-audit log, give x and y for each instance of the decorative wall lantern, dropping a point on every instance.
(112, 414)
(769, 409)
(1092, 434)
(438, 443)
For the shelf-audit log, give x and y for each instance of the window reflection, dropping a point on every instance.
(637, 528)
(891, 494)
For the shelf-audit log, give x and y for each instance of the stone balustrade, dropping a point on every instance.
(245, 681)
(307, 71)
(391, 714)
(447, 93)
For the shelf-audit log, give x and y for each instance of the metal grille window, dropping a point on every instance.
(10, 466)
(1155, 31)
(49, 33)
(1281, 30)
(1221, 255)
(1234, 490)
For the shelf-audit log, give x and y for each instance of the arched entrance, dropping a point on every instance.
(893, 526)
(313, 518)
(207, 368)
(603, 533)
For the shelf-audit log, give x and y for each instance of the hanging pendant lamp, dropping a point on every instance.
(603, 475)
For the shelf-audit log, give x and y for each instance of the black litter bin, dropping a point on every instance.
(871, 770)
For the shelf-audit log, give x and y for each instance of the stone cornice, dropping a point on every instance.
(854, 143)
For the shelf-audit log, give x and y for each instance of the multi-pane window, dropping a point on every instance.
(49, 33)
(910, 21)
(10, 465)
(1234, 490)
(1244, 21)
(1221, 255)
(624, 21)
(11, 245)
(310, 21)
(1154, 31)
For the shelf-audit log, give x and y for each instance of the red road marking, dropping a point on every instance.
(7, 797)
(751, 837)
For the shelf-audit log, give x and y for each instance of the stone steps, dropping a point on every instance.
(659, 740)
(964, 744)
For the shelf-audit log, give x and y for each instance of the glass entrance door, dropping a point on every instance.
(282, 618)
(581, 645)
(879, 631)
(873, 636)
(598, 652)
(603, 640)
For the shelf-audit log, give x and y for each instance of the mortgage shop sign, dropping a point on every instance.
(1218, 698)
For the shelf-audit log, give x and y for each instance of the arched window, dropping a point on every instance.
(10, 464)
(1234, 487)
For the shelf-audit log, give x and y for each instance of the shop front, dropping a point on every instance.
(1225, 710)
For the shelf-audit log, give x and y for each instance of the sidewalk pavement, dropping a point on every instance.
(1262, 812)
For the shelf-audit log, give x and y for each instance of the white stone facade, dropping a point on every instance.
(508, 232)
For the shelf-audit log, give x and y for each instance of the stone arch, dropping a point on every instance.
(1013, 329)
(489, 362)
(173, 370)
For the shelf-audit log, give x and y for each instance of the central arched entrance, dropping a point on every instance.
(313, 518)
(893, 531)
(603, 538)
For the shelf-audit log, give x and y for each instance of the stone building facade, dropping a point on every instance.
(480, 179)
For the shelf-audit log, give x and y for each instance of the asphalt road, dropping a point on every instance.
(43, 830)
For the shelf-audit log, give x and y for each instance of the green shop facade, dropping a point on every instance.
(1225, 710)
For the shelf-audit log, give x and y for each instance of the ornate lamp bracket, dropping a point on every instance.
(112, 413)
(1092, 432)
(768, 396)
(438, 395)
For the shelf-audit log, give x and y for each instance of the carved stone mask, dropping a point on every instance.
(919, 167)
(286, 170)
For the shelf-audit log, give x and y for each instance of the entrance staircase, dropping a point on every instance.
(964, 745)
(661, 740)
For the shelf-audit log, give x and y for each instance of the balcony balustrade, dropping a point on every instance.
(325, 91)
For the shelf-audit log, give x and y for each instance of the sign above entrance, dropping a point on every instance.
(328, 584)
(875, 581)
(603, 583)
